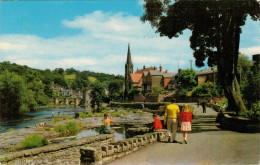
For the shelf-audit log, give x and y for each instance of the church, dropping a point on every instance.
(145, 79)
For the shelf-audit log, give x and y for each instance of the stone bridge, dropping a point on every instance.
(66, 101)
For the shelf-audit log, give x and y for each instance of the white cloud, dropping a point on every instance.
(101, 46)
(251, 50)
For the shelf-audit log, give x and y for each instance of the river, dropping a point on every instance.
(42, 115)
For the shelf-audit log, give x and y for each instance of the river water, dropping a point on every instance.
(42, 115)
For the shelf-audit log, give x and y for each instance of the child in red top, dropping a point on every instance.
(157, 123)
(185, 120)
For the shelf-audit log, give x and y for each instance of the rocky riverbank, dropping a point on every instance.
(11, 141)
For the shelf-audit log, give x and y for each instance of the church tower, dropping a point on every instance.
(128, 70)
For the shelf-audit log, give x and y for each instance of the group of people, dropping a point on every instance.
(40, 125)
(172, 117)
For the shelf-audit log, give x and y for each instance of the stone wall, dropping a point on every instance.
(152, 106)
(187, 99)
(63, 153)
(98, 155)
(139, 98)
(158, 98)
(235, 123)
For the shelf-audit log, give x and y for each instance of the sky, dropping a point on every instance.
(94, 35)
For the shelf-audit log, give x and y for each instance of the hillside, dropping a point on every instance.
(25, 88)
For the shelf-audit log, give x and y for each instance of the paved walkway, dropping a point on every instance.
(207, 144)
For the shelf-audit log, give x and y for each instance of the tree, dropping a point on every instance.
(206, 89)
(15, 98)
(216, 28)
(72, 71)
(38, 88)
(59, 71)
(186, 81)
(80, 84)
(252, 88)
(60, 80)
(97, 94)
(132, 93)
(115, 89)
(243, 71)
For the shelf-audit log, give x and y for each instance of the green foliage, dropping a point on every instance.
(34, 141)
(223, 101)
(60, 128)
(205, 89)
(216, 28)
(47, 129)
(254, 113)
(10, 129)
(183, 92)
(187, 79)
(132, 93)
(80, 84)
(57, 119)
(97, 94)
(156, 91)
(68, 117)
(116, 114)
(251, 88)
(70, 71)
(115, 89)
(99, 114)
(15, 97)
(72, 126)
(70, 77)
(85, 115)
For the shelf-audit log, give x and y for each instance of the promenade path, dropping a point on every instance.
(207, 144)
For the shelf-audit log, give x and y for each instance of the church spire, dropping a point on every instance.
(129, 59)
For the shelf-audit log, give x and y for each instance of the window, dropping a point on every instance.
(148, 87)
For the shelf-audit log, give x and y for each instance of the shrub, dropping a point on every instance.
(85, 115)
(99, 114)
(10, 129)
(223, 101)
(47, 129)
(116, 114)
(68, 117)
(34, 141)
(58, 119)
(60, 128)
(72, 126)
(89, 113)
(254, 113)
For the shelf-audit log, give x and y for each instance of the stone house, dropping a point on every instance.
(145, 79)
(207, 75)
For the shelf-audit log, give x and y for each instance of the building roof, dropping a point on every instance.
(145, 74)
(206, 71)
(129, 59)
(140, 71)
(136, 77)
(155, 73)
(169, 74)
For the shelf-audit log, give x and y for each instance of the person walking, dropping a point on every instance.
(185, 120)
(203, 104)
(171, 116)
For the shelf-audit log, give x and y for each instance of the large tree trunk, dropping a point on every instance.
(227, 67)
